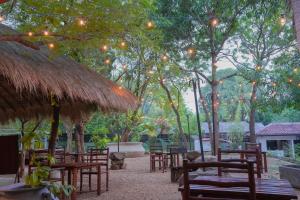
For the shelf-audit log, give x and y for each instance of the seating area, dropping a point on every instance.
(93, 163)
(150, 100)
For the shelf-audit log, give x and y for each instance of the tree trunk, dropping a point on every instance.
(215, 105)
(296, 10)
(178, 119)
(54, 129)
(252, 114)
(207, 116)
(126, 134)
(80, 137)
(69, 131)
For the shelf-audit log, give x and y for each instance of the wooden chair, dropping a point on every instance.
(96, 156)
(242, 153)
(212, 181)
(41, 155)
(172, 155)
(157, 155)
(263, 156)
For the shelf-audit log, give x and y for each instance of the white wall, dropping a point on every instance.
(263, 140)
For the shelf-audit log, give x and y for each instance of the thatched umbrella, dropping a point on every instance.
(35, 84)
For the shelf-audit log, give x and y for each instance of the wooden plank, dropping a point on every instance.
(265, 188)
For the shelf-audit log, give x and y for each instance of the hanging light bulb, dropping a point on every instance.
(258, 68)
(123, 44)
(107, 61)
(282, 20)
(191, 52)
(30, 34)
(104, 47)
(150, 24)
(2, 18)
(164, 57)
(81, 22)
(295, 70)
(46, 33)
(274, 84)
(290, 80)
(214, 22)
(51, 45)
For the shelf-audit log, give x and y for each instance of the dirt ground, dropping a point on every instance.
(136, 182)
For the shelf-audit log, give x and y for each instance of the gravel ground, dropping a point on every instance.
(136, 182)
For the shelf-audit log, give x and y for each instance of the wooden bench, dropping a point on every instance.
(225, 188)
(189, 185)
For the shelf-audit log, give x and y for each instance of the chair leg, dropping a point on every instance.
(90, 182)
(107, 177)
(81, 177)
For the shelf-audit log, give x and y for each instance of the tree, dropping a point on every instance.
(201, 28)
(263, 38)
(296, 10)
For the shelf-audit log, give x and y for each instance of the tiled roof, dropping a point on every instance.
(290, 128)
(226, 126)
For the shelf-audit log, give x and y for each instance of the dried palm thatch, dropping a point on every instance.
(29, 77)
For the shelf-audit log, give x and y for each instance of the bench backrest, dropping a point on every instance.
(249, 154)
(249, 183)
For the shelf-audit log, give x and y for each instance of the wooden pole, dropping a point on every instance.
(198, 121)
(54, 125)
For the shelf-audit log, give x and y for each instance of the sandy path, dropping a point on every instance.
(136, 182)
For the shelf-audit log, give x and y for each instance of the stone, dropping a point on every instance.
(192, 155)
(117, 160)
(291, 173)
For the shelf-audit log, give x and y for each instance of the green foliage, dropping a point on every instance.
(100, 141)
(297, 151)
(236, 135)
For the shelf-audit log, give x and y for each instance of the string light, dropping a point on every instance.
(107, 61)
(274, 84)
(164, 57)
(253, 82)
(120, 87)
(2, 18)
(191, 51)
(151, 72)
(221, 82)
(51, 45)
(81, 22)
(150, 24)
(290, 80)
(298, 84)
(282, 20)
(104, 47)
(46, 33)
(258, 68)
(30, 34)
(214, 22)
(123, 44)
(295, 70)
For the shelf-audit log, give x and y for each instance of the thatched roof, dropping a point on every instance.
(28, 77)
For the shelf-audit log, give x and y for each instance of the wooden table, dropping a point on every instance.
(266, 189)
(73, 168)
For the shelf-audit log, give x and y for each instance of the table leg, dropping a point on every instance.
(69, 177)
(265, 162)
(74, 183)
(98, 180)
